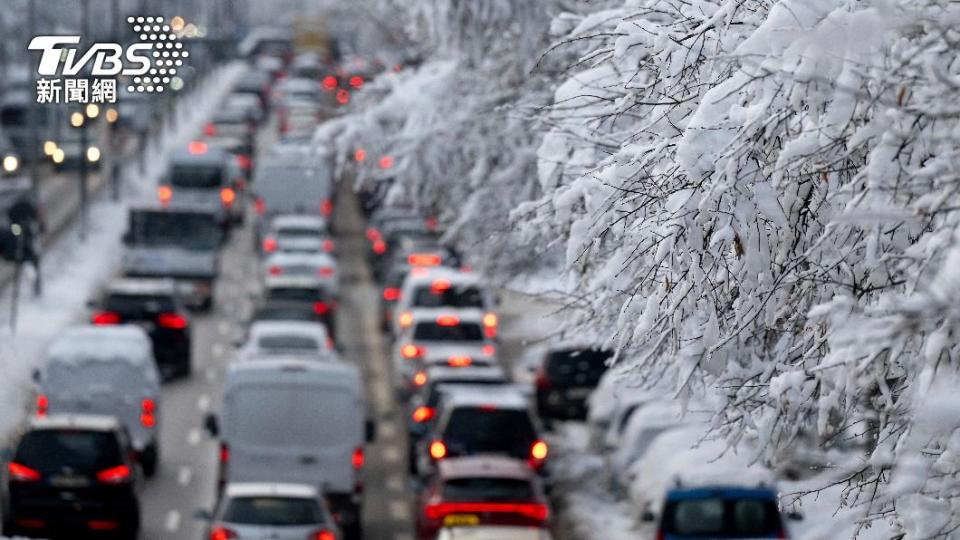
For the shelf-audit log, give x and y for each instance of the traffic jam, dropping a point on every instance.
(269, 348)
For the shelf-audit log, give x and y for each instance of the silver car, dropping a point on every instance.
(254, 511)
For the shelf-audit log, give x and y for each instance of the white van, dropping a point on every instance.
(107, 370)
(286, 419)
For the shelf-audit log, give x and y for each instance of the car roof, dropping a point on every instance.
(271, 489)
(723, 491)
(455, 277)
(466, 315)
(293, 257)
(442, 374)
(142, 286)
(500, 396)
(93, 422)
(261, 368)
(260, 328)
(294, 282)
(115, 342)
(484, 467)
(298, 220)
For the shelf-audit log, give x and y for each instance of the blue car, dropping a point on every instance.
(716, 512)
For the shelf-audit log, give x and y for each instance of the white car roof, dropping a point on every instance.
(261, 370)
(142, 286)
(298, 220)
(122, 342)
(271, 489)
(94, 422)
(260, 329)
(285, 257)
(480, 373)
(306, 282)
(500, 396)
(455, 277)
(493, 533)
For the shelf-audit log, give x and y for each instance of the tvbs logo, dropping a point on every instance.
(151, 61)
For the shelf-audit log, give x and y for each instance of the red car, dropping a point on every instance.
(482, 490)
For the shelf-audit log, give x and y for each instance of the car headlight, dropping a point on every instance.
(93, 154)
(11, 164)
(49, 147)
(58, 156)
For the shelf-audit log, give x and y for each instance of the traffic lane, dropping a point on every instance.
(186, 479)
(388, 501)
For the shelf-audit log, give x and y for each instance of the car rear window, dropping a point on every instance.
(431, 331)
(85, 375)
(196, 176)
(139, 305)
(721, 517)
(275, 511)
(51, 450)
(487, 489)
(288, 343)
(489, 429)
(460, 297)
(299, 232)
(306, 294)
(285, 313)
(581, 367)
(191, 230)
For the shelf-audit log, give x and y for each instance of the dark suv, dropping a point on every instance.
(71, 476)
(720, 512)
(565, 378)
(152, 304)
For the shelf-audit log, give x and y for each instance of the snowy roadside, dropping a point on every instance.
(72, 275)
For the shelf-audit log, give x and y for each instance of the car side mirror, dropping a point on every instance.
(211, 425)
(202, 514)
(370, 429)
(795, 516)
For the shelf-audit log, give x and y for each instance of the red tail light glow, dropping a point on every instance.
(386, 162)
(356, 81)
(379, 247)
(322, 535)
(244, 162)
(197, 148)
(359, 155)
(210, 130)
(411, 351)
(343, 96)
(329, 82)
(269, 244)
(358, 458)
(275, 270)
(534, 511)
(459, 361)
(260, 206)
(405, 319)
(490, 322)
(148, 411)
(172, 321)
(321, 308)
(372, 234)
(326, 207)
(325, 271)
(391, 294)
(114, 475)
(448, 320)
(438, 450)
(539, 450)
(423, 259)
(104, 318)
(222, 533)
(22, 473)
(224, 454)
(439, 286)
(227, 196)
(423, 414)
(164, 193)
(488, 350)
(542, 381)
(43, 405)
(328, 246)
(103, 525)
(420, 378)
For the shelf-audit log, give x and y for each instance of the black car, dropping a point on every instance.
(71, 476)
(564, 380)
(308, 293)
(286, 310)
(154, 305)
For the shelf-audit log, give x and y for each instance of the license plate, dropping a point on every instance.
(460, 520)
(62, 481)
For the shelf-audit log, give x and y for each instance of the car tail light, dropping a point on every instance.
(104, 318)
(148, 413)
(358, 458)
(379, 247)
(325, 271)
(329, 82)
(275, 270)
(534, 511)
(224, 454)
(372, 234)
(438, 450)
(244, 162)
(405, 319)
(386, 162)
(172, 321)
(343, 97)
(490, 325)
(539, 450)
(210, 130)
(459, 361)
(321, 308)
(227, 197)
(114, 475)
(22, 473)
(222, 533)
(356, 81)
(391, 294)
(661, 535)
(420, 378)
(269, 244)
(322, 534)
(103, 525)
(411, 351)
(260, 206)
(423, 414)
(423, 259)
(43, 404)
(431, 223)
(328, 246)
(542, 380)
(197, 148)
(164, 193)
(488, 350)
(326, 207)
(29, 523)
(440, 286)
(448, 320)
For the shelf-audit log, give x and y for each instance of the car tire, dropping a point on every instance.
(150, 460)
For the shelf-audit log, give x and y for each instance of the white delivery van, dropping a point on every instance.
(106, 370)
(286, 419)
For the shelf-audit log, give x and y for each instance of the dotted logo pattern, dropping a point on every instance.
(168, 53)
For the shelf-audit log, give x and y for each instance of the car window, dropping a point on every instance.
(299, 232)
(487, 489)
(50, 450)
(306, 294)
(713, 517)
(271, 313)
(290, 420)
(81, 376)
(579, 367)
(479, 429)
(138, 305)
(163, 228)
(288, 342)
(276, 511)
(461, 297)
(431, 331)
(196, 176)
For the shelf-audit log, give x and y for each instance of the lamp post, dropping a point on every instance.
(88, 154)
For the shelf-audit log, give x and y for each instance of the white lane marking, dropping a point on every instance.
(211, 374)
(391, 454)
(399, 511)
(184, 476)
(218, 349)
(172, 523)
(203, 403)
(193, 438)
(395, 482)
(387, 430)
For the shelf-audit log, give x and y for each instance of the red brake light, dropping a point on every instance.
(448, 320)
(488, 350)
(269, 244)
(410, 351)
(275, 270)
(326, 207)
(490, 322)
(391, 294)
(329, 82)
(438, 450)
(539, 450)
(372, 234)
(43, 404)
(420, 378)
(197, 147)
(358, 458)
(386, 162)
(114, 475)
(172, 321)
(22, 473)
(244, 162)
(227, 196)
(224, 454)
(423, 414)
(103, 525)
(164, 193)
(535, 511)
(405, 319)
(325, 271)
(356, 81)
(322, 535)
(105, 317)
(210, 130)
(222, 533)
(260, 206)
(343, 97)
(459, 361)
(542, 380)
(431, 223)
(439, 286)
(321, 308)
(379, 247)
(148, 409)
(359, 155)
(423, 259)
(328, 246)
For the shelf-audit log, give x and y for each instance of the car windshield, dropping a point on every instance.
(196, 176)
(431, 331)
(722, 517)
(51, 450)
(134, 306)
(276, 511)
(581, 367)
(288, 342)
(461, 297)
(191, 230)
(474, 430)
(487, 489)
